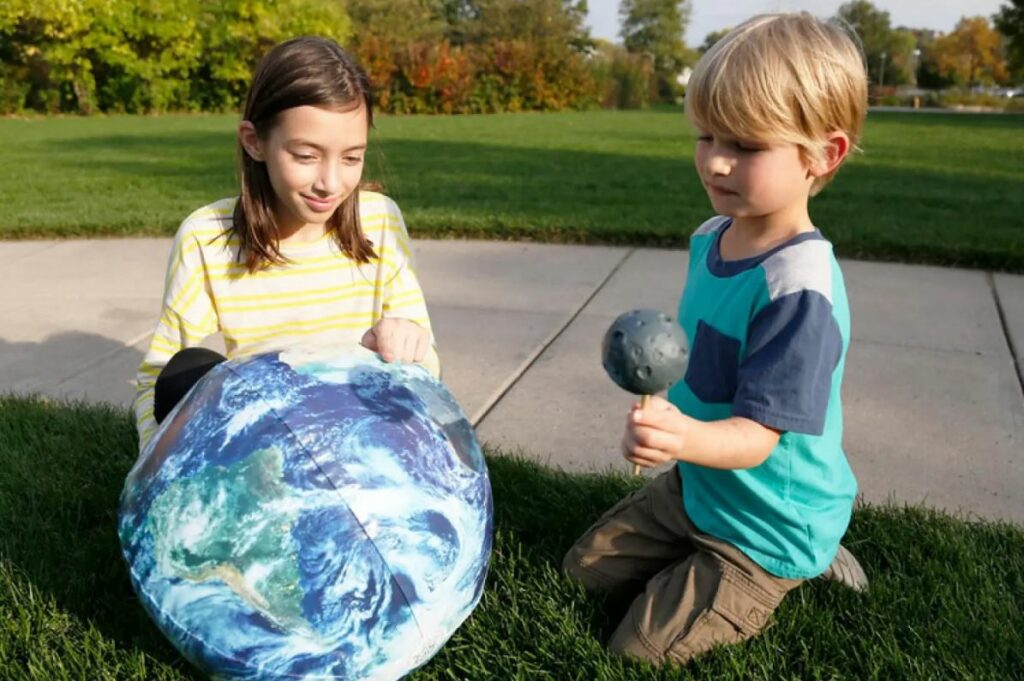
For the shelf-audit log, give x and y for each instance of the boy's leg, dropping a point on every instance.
(846, 570)
(715, 596)
(635, 539)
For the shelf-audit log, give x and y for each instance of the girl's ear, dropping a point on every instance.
(837, 146)
(250, 140)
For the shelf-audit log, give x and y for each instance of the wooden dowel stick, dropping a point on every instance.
(643, 405)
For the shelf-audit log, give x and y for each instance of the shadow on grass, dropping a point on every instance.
(947, 214)
(64, 464)
(944, 600)
(198, 162)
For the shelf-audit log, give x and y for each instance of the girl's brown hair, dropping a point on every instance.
(306, 71)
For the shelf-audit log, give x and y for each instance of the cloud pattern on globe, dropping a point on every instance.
(301, 515)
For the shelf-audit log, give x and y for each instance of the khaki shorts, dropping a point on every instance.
(697, 591)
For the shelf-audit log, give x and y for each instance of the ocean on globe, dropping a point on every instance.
(305, 515)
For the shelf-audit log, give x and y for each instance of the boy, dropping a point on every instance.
(762, 492)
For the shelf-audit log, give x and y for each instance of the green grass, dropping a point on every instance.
(944, 603)
(934, 188)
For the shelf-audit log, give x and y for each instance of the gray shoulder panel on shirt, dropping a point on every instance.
(711, 225)
(806, 266)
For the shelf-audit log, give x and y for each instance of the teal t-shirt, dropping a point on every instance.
(768, 338)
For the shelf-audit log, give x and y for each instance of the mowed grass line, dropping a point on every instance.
(930, 188)
(944, 600)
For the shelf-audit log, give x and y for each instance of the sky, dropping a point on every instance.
(712, 15)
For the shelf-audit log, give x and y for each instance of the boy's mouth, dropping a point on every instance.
(720, 191)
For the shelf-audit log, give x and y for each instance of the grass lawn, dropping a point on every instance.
(936, 188)
(944, 603)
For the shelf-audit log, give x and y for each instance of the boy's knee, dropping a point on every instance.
(628, 640)
(674, 621)
(676, 644)
(573, 565)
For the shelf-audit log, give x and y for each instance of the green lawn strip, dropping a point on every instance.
(929, 188)
(944, 601)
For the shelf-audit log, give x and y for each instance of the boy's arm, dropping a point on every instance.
(662, 433)
(784, 381)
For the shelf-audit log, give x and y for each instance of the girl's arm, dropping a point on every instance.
(187, 317)
(402, 295)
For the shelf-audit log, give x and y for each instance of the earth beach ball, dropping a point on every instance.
(309, 515)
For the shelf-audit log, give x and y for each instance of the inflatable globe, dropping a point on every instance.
(306, 516)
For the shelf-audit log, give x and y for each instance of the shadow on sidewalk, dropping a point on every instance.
(71, 364)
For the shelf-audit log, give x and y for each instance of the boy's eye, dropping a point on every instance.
(353, 160)
(305, 158)
(704, 138)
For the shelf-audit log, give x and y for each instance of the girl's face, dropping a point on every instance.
(314, 158)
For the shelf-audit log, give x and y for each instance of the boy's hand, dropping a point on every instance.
(398, 340)
(656, 434)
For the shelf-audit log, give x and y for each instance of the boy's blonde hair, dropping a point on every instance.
(789, 78)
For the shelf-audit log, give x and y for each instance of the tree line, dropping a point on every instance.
(425, 56)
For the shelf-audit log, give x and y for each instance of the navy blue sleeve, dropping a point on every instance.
(785, 376)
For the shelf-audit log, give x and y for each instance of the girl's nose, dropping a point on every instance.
(329, 180)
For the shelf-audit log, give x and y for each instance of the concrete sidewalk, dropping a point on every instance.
(932, 396)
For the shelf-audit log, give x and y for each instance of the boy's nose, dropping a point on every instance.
(717, 164)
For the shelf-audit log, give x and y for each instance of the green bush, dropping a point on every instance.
(147, 55)
(13, 89)
(623, 79)
(954, 98)
(423, 56)
(502, 75)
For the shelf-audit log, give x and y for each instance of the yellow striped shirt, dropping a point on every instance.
(318, 296)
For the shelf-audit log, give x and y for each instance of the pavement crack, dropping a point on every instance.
(521, 370)
(1007, 334)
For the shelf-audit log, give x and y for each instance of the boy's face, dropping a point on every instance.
(748, 179)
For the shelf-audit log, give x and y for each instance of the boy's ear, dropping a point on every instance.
(250, 140)
(837, 146)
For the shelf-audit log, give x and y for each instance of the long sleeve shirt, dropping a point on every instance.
(318, 296)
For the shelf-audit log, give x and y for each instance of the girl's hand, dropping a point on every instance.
(398, 340)
(656, 434)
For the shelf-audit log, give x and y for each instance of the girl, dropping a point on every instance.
(304, 254)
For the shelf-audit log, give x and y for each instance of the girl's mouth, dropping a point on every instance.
(318, 205)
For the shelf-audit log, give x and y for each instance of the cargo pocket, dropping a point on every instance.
(740, 609)
(713, 370)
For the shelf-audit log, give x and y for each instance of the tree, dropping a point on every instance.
(1010, 22)
(655, 28)
(902, 66)
(400, 21)
(553, 24)
(235, 34)
(972, 53)
(711, 38)
(887, 52)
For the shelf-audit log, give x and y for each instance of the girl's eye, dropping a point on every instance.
(704, 138)
(305, 158)
(353, 160)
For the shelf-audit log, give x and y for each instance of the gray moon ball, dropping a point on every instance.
(644, 351)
